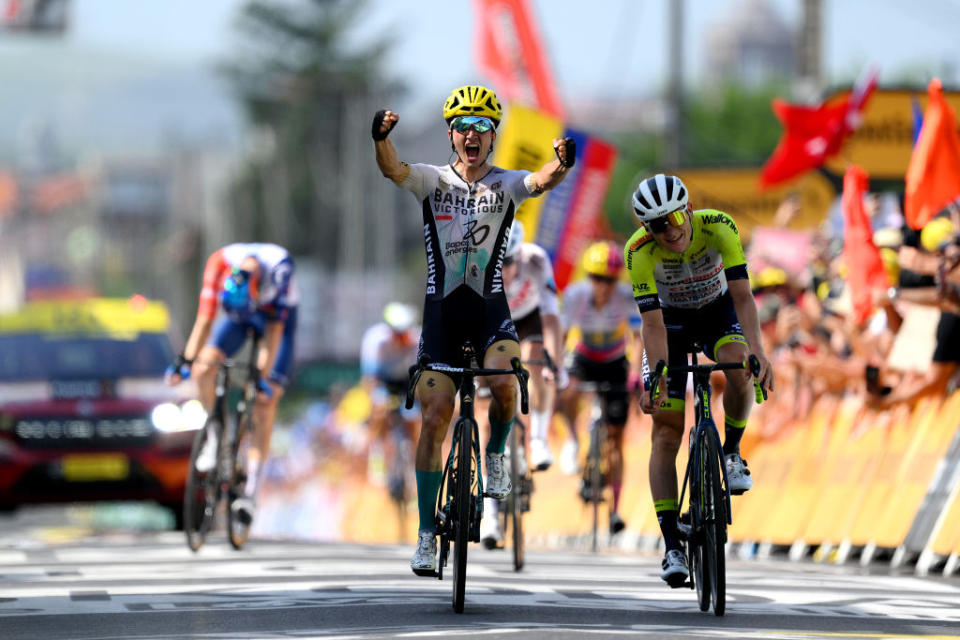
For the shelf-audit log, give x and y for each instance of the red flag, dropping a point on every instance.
(509, 51)
(933, 175)
(813, 134)
(865, 270)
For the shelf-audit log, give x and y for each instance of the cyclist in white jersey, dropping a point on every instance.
(387, 350)
(253, 284)
(467, 209)
(603, 310)
(532, 297)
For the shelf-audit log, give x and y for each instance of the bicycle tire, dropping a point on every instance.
(715, 531)
(596, 478)
(238, 532)
(698, 521)
(201, 494)
(462, 508)
(516, 496)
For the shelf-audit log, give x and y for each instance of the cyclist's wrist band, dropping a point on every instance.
(181, 361)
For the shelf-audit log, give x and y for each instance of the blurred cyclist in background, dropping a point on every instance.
(387, 351)
(254, 287)
(467, 207)
(532, 297)
(602, 308)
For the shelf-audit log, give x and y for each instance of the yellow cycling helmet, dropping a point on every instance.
(935, 233)
(473, 100)
(603, 259)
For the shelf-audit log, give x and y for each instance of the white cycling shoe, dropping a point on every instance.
(540, 455)
(243, 508)
(490, 534)
(498, 479)
(568, 458)
(675, 571)
(738, 476)
(424, 562)
(207, 458)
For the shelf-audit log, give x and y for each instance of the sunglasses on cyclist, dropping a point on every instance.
(603, 279)
(465, 123)
(673, 219)
(508, 261)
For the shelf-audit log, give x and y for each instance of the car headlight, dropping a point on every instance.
(170, 418)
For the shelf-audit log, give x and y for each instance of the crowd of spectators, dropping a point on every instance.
(907, 349)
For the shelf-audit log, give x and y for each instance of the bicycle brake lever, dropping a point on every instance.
(522, 376)
(760, 394)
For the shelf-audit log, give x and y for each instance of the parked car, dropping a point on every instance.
(84, 413)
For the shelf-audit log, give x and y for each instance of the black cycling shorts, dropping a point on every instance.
(529, 326)
(709, 327)
(615, 404)
(948, 338)
(461, 316)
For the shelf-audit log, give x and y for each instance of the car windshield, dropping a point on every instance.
(50, 357)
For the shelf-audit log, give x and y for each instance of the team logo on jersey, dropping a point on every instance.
(476, 233)
(721, 218)
(496, 186)
(431, 263)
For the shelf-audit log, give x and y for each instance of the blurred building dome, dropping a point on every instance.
(752, 45)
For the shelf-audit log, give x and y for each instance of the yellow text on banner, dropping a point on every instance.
(525, 141)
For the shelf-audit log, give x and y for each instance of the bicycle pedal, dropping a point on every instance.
(684, 531)
(427, 573)
(678, 581)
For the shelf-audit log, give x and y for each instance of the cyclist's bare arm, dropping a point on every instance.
(552, 173)
(269, 346)
(387, 159)
(746, 309)
(653, 332)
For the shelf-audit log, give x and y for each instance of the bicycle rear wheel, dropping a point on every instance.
(596, 476)
(715, 525)
(238, 530)
(202, 490)
(462, 508)
(516, 494)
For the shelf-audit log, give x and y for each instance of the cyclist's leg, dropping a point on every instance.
(616, 406)
(490, 533)
(728, 344)
(500, 345)
(542, 396)
(568, 405)
(265, 408)
(226, 338)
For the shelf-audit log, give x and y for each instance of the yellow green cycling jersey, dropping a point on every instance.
(694, 278)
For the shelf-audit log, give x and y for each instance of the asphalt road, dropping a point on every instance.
(73, 583)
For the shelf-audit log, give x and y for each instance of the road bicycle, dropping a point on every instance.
(703, 526)
(460, 500)
(596, 471)
(225, 481)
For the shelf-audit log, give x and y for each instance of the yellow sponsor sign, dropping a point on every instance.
(526, 142)
(883, 142)
(93, 315)
(735, 191)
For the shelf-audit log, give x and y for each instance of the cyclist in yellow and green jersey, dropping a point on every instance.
(690, 283)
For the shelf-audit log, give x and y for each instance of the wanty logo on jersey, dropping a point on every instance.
(431, 263)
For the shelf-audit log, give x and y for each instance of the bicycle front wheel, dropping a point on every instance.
(696, 544)
(715, 524)
(516, 495)
(238, 525)
(462, 509)
(202, 490)
(597, 436)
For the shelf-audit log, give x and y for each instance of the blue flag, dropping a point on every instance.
(917, 118)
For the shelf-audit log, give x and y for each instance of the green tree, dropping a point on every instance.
(299, 82)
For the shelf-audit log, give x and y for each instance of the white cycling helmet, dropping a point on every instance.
(658, 196)
(516, 239)
(399, 316)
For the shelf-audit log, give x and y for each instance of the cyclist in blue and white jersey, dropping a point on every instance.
(468, 208)
(253, 285)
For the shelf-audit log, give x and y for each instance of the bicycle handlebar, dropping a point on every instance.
(517, 369)
(752, 364)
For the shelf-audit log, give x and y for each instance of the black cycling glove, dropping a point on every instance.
(571, 153)
(378, 123)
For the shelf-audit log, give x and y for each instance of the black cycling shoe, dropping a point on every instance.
(616, 523)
